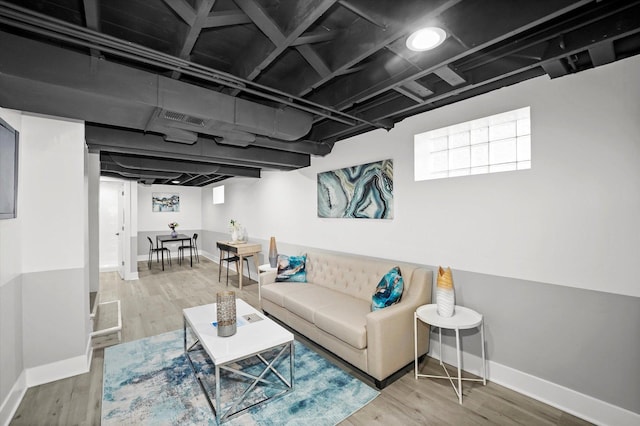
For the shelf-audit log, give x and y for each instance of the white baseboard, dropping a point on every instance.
(60, 369)
(41, 375)
(131, 276)
(578, 404)
(12, 401)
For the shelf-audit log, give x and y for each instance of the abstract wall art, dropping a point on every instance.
(164, 202)
(364, 191)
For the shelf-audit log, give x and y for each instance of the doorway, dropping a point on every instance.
(111, 236)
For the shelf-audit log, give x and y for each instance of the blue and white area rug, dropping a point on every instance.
(149, 381)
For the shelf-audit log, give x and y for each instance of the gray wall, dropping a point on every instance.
(581, 339)
(11, 332)
(54, 325)
(93, 171)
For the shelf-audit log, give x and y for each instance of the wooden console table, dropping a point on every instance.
(241, 250)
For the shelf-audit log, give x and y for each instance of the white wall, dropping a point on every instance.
(570, 220)
(53, 205)
(12, 380)
(52, 186)
(44, 259)
(189, 217)
(526, 247)
(10, 243)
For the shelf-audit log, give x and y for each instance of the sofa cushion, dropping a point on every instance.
(276, 292)
(291, 269)
(345, 319)
(389, 290)
(306, 301)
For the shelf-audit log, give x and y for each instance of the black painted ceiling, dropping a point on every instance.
(197, 91)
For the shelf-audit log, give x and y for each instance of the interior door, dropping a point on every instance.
(109, 225)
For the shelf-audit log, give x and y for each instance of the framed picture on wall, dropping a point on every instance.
(165, 202)
(364, 191)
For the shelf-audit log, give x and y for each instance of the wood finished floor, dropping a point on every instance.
(153, 305)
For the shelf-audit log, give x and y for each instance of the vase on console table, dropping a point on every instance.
(273, 252)
(174, 234)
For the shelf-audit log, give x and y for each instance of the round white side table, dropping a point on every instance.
(462, 319)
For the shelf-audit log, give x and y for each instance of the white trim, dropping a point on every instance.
(60, 369)
(113, 268)
(14, 398)
(130, 276)
(43, 374)
(580, 405)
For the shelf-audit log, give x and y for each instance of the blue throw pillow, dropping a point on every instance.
(389, 290)
(291, 269)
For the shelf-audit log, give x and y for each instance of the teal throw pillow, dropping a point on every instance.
(291, 269)
(389, 290)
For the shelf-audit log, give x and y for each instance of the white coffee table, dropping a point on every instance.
(462, 319)
(251, 339)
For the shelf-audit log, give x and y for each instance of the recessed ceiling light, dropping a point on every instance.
(175, 181)
(426, 39)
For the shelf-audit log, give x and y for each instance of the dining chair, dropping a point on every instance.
(193, 244)
(157, 250)
(228, 258)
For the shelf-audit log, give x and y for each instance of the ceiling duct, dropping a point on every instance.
(183, 118)
(113, 94)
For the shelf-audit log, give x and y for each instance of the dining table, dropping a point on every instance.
(161, 239)
(242, 250)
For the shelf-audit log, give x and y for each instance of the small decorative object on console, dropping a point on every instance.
(173, 226)
(237, 231)
(226, 313)
(273, 253)
(445, 296)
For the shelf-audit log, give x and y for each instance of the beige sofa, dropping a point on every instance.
(333, 309)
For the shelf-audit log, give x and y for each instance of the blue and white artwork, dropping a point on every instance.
(364, 191)
(163, 202)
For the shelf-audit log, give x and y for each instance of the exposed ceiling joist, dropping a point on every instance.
(315, 37)
(264, 52)
(183, 10)
(409, 94)
(314, 60)
(450, 76)
(226, 18)
(342, 64)
(365, 39)
(417, 88)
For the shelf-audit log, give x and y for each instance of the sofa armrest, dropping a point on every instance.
(264, 278)
(390, 330)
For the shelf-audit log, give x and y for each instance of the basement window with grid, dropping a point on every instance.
(497, 143)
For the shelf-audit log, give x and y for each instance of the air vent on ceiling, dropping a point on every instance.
(183, 118)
